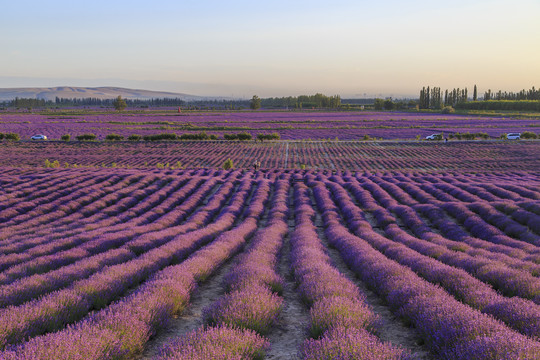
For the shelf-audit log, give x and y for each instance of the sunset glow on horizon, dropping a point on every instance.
(241, 48)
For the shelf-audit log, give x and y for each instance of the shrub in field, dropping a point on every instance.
(134, 137)
(86, 137)
(12, 136)
(272, 136)
(230, 136)
(114, 137)
(228, 164)
(1, 136)
(468, 136)
(448, 110)
(244, 136)
(256, 308)
(198, 136)
(217, 343)
(349, 344)
(66, 137)
(54, 164)
(158, 137)
(528, 135)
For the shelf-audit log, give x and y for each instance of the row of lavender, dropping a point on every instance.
(290, 125)
(111, 260)
(486, 156)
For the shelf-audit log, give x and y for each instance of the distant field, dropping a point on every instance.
(290, 125)
(326, 155)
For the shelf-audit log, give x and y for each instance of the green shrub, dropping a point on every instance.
(272, 136)
(244, 136)
(86, 137)
(448, 110)
(159, 137)
(12, 136)
(134, 137)
(114, 137)
(528, 135)
(198, 136)
(1, 136)
(65, 137)
(230, 136)
(228, 164)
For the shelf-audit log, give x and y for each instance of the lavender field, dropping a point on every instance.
(329, 250)
(472, 156)
(277, 264)
(290, 125)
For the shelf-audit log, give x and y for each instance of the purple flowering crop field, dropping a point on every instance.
(117, 263)
(330, 250)
(291, 125)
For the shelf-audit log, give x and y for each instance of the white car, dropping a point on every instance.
(39, 137)
(434, 137)
(513, 136)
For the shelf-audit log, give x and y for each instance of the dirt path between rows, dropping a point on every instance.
(393, 330)
(291, 331)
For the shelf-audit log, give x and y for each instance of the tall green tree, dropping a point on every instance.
(475, 93)
(255, 102)
(119, 103)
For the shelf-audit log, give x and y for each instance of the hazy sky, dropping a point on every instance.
(271, 48)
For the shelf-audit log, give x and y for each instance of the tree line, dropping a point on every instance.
(297, 102)
(433, 98)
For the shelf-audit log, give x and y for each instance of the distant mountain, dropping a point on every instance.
(70, 92)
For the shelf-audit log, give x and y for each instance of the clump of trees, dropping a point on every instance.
(272, 136)
(160, 137)
(114, 137)
(469, 136)
(240, 136)
(524, 100)
(10, 136)
(86, 137)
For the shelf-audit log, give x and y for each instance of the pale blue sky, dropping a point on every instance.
(279, 48)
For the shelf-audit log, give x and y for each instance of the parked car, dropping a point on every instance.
(39, 137)
(513, 136)
(434, 137)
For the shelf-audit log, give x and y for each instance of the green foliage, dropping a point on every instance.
(379, 104)
(159, 137)
(134, 137)
(448, 110)
(244, 136)
(388, 104)
(1, 136)
(255, 102)
(528, 135)
(228, 164)
(119, 103)
(468, 136)
(12, 136)
(54, 164)
(230, 136)
(272, 136)
(66, 137)
(366, 137)
(198, 136)
(114, 137)
(86, 137)
(516, 105)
